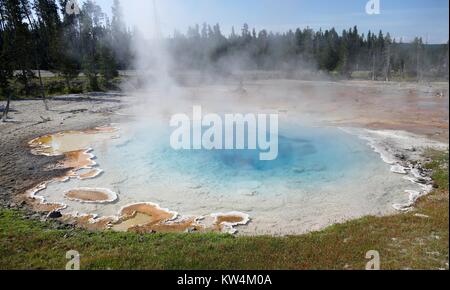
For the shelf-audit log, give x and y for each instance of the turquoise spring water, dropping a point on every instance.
(307, 157)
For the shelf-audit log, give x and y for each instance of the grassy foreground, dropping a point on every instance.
(415, 240)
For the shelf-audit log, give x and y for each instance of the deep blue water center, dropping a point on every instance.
(307, 156)
(289, 150)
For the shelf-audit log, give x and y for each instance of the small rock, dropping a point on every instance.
(421, 180)
(401, 156)
(434, 253)
(253, 193)
(35, 216)
(54, 215)
(190, 230)
(436, 237)
(421, 215)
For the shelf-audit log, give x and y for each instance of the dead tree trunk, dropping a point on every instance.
(402, 70)
(373, 67)
(387, 69)
(26, 82)
(6, 111)
(42, 90)
(418, 63)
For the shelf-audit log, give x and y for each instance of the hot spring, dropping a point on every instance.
(321, 176)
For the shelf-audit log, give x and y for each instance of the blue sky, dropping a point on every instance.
(402, 18)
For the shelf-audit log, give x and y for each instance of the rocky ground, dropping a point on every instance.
(19, 169)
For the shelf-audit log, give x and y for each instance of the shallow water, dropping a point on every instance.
(321, 176)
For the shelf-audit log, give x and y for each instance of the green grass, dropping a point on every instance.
(404, 241)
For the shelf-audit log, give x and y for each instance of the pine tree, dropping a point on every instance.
(387, 57)
(49, 32)
(37, 46)
(91, 32)
(68, 50)
(21, 41)
(107, 63)
(121, 40)
(15, 49)
(6, 58)
(418, 44)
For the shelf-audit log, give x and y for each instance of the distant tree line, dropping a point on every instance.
(375, 53)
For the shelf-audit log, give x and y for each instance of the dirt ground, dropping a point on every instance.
(417, 108)
(19, 169)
